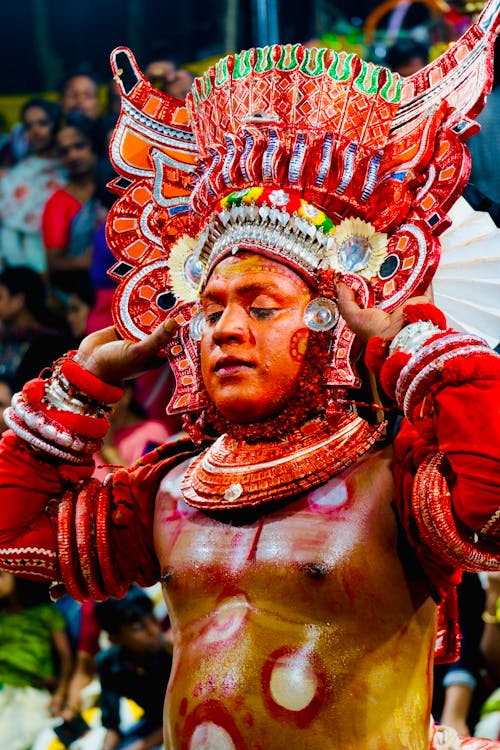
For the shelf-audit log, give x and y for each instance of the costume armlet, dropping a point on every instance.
(87, 517)
(425, 354)
(64, 415)
(437, 526)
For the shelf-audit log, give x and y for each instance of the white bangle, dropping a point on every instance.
(412, 337)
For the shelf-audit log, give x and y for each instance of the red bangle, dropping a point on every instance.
(90, 384)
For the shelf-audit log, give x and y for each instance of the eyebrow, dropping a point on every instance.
(246, 289)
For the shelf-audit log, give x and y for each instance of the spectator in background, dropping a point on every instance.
(166, 76)
(137, 666)
(485, 146)
(26, 187)
(33, 683)
(79, 94)
(407, 56)
(30, 335)
(69, 216)
(81, 300)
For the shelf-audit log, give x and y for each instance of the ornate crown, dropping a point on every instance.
(315, 157)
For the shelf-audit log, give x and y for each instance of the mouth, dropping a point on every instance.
(231, 365)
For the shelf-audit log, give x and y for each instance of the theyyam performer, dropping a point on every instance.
(276, 238)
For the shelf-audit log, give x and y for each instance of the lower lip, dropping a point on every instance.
(231, 370)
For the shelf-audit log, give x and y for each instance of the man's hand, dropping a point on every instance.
(372, 321)
(114, 360)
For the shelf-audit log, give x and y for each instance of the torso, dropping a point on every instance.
(301, 629)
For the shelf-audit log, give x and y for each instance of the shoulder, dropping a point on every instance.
(153, 465)
(109, 658)
(49, 616)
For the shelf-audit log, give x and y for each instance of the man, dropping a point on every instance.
(166, 76)
(80, 94)
(302, 558)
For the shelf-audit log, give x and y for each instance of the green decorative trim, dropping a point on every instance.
(221, 72)
(242, 64)
(291, 49)
(395, 82)
(341, 67)
(264, 60)
(313, 63)
(206, 85)
(367, 80)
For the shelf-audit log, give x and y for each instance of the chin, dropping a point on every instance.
(246, 413)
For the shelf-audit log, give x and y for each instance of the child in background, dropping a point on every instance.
(136, 666)
(32, 630)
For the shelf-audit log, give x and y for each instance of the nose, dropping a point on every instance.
(232, 325)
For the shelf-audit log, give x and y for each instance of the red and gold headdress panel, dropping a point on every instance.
(314, 157)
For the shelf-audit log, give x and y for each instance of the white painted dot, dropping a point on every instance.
(210, 736)
(329, 497)
(227, 620)
(293, 683)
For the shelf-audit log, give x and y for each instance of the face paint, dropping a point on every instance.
(254, 338)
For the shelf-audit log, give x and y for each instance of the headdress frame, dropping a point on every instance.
(388, 158)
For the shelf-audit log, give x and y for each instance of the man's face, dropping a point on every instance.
(80, 95)
(254, 339)
(144, 636)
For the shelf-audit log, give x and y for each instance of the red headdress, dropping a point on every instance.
(317, 158)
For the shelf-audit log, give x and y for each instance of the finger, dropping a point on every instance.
(348, 307)
(97, 338)
(145, 352)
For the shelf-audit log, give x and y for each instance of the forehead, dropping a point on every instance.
(35, 113)
(249, 268)
(70, 135)
(80, 84)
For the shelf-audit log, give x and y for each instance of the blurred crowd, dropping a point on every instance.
(94, 676)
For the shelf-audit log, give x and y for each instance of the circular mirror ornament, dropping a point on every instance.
(321, 314)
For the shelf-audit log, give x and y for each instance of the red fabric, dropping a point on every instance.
(391, 371)
(90, 384)
(376, 353)
(88, 637)
(58, 214)
(457, 419)
(421, 311)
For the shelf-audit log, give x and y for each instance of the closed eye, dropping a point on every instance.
(264, 313)
(212, 318)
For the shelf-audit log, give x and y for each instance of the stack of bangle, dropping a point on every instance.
(64, 415)
(416, 358)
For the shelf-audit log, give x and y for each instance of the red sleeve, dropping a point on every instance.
(29, 490)
(447, 470)
(88, 638)
(60, 210)
(467, 426)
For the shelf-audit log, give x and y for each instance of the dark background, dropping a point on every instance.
(45, 40)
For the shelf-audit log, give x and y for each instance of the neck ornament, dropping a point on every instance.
(232, 473)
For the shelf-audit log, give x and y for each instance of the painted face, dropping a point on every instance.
(254, 339)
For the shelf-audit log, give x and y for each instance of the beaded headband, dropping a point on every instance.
(316, 158)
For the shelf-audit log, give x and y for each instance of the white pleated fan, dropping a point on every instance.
(466, 285)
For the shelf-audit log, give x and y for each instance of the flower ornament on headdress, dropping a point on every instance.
(313, 157)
